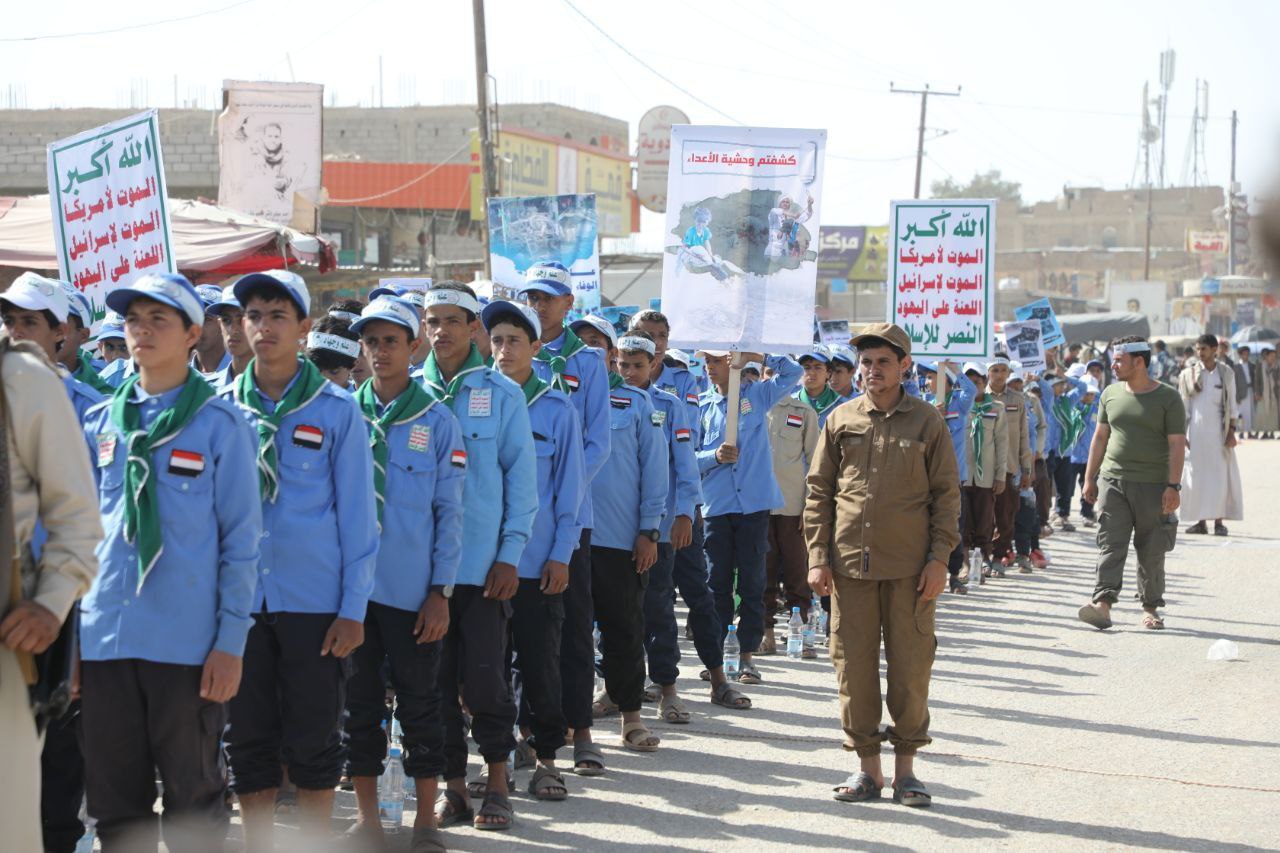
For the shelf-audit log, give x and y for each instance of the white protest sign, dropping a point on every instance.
(941, 281)
(110, 206)
(739, 271)
(1025, 343)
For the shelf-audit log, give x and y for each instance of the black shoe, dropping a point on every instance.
(1198, 527)
(1219, 529)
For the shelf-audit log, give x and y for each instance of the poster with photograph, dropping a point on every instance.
(739, 271)
(269, 147)
(834, 332)
(1025, 343)
(941, 275)
(110, 206)
(1050, 328)
(534, 229)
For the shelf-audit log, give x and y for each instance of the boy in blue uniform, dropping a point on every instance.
(210, 354)
(955, 406)
(418, 491)
(629, 504)
(738, 490)
(110, 341)
(1088, 410)
(538, 607)
(1060, 396)
(813, 390)
(163, 629)
(332, 346)
(72, 355)
(684, 493)
(841, 371)
(231, 320)
(500, 501)
(570, 366)
(319, 544)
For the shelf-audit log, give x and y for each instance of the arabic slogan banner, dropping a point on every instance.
(941, 275)
(1024, 343)
(526, 231)
(1050, 329)
(110, 207)
(740, 267)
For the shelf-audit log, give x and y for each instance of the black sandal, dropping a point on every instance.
(496, 804)
(911, 792)
(858, 788)
(451, 808)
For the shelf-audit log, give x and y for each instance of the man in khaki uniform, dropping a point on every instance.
(1018, 450)
(988, 460)
(47, 479)
(793, 435)
(881, 519)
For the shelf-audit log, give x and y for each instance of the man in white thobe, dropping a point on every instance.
(1211, 477)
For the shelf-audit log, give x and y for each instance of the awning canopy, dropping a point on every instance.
(209, 241)
(1087, 328)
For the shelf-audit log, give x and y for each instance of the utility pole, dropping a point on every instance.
(924, 104)
(1232, 190)
(487, 181)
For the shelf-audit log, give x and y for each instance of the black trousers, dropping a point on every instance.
(689, 574)
(62, 783)
(414, 668)
(1064, 482)
(536, 622)
(955, 561)
(577, 647)
(618, 591)
(139, 717)
(290, 706)
(473, 671)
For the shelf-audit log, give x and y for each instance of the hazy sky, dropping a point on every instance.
(1051, 92)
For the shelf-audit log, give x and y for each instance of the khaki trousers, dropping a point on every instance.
(861, 610)
(20, 758)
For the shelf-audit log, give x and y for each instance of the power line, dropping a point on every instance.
(646, 65)
(128, 27)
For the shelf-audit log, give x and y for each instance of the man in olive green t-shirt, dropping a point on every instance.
(1134, 476)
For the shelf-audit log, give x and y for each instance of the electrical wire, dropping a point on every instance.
(128, 27)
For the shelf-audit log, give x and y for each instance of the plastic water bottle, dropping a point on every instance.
(795, 634)
(733, 653)
(397, 739)
(812, 628)
(823, 618)
(85, 844)
(391, 792)
(596, 656)
(975, 568)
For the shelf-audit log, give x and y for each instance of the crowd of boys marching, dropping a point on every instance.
(451, 493)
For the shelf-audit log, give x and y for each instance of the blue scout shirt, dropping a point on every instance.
(320, 536)
(1053, 433)
(631, 493)
(421, 540)
(684, 385)
(748, 484)
(562, 484)
(963, 392)
(586, 375)
(115, 373)
(83, 396)
(199, 594)
(221, 378)
(684, 483)
(501, 472)
(1080, 453)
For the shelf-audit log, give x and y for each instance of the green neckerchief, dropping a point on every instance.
(1070, 417)
(446, 391)
(822, 401)
(85, 373)
(977, 432)
(560, 360)
(141, 505)
(409, 406)
(308, 385)
(534, 388)
(615, 379)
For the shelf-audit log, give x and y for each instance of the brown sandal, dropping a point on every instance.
(1152, 621)
(646, 742)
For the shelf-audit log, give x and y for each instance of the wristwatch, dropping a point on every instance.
(446, 591)
(652, 534)
(1177, 487)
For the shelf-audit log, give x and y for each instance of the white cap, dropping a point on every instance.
(753, 365)
(1091, 386)
(36, 293)
(975, 367)
(679, 355)
(1077, 370)
(600, 324)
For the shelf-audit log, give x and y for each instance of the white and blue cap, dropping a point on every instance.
(112, 327)
(754, 365)
(635, 343)
(167, 288)
(974, 367)
(501, 306)
(818, 353)
(680, 356)
(600, 324)
(78, 304)
(393, 309)
(210, 295)
(928, 365)
(842, 353)
(416, 298)
(33, 292)
(289, 282)
(227, 299)
(548, 277)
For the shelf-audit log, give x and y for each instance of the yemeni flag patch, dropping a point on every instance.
(619, 402)
(795, 421)
(308, 436)
(572, 381)
(683, 434)
(186, 463)
(691, 399)
(458, 459)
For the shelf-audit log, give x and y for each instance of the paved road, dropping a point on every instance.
(1047, 733)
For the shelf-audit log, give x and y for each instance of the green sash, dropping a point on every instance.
(559, 361)
(977, 432)
(446, 391)
(85, 373)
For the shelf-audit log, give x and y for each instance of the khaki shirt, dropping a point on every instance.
(49, 479)
(995, 444)
(1020, 459)
(884, 491)
(793, 435)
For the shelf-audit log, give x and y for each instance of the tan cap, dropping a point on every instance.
(891, 332)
